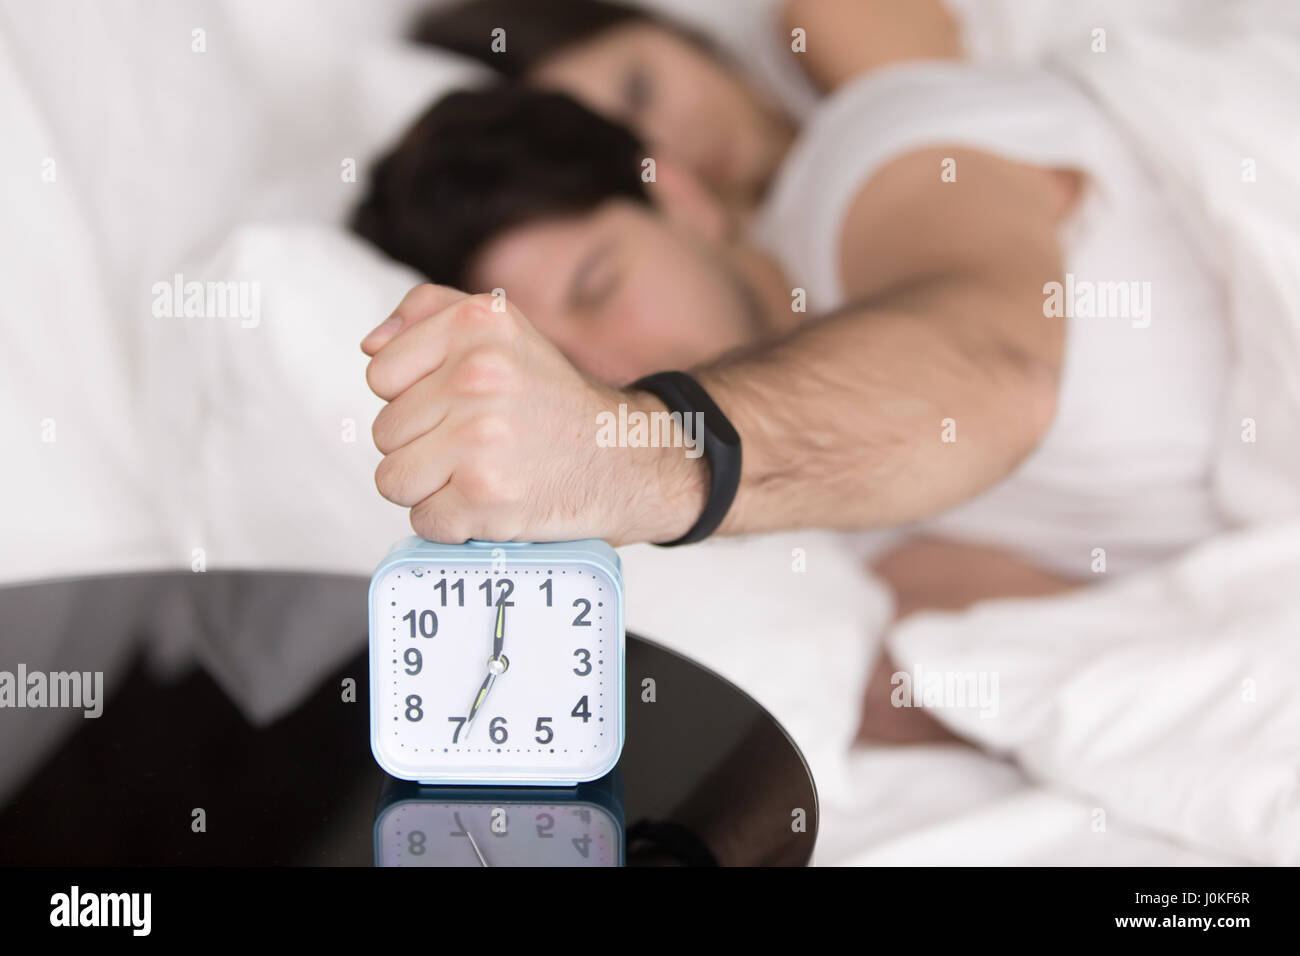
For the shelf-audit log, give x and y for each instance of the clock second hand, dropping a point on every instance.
(496, 665)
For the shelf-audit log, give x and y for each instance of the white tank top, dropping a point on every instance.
(1125, 466)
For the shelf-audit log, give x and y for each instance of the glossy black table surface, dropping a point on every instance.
(233, 728)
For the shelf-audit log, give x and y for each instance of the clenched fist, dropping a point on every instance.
(490, 433)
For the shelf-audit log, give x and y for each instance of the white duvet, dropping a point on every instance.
(1149, 719)
(1167, 700)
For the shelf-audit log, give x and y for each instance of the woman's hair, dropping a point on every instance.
(534, 29)
(481, 162)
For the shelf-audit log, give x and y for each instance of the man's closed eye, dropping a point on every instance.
(595, 280)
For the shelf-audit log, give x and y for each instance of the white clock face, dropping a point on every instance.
(509, 675)
(424, 833)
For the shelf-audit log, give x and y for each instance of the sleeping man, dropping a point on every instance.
(913, 333)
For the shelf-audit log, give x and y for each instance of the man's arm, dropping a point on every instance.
(844, 424)
(844, 421)
(491, 433)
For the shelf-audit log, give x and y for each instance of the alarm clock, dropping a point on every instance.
(497, 664)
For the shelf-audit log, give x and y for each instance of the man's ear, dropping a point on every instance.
(687, 201)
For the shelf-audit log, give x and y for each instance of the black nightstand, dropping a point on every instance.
(706, 776)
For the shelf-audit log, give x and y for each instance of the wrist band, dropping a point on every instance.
(681, 393)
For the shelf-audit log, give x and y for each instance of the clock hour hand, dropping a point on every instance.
(478, 700)
(496, 664)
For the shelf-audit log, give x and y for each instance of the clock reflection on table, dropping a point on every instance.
(240, 699)
(500, 826)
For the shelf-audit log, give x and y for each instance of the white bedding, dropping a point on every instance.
(166, 160)
(1168, 699)
(174, 435)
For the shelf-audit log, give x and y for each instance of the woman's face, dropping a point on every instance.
(679, 100)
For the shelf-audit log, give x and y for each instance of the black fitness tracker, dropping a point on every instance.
(681, 393)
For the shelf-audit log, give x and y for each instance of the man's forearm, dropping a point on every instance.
(874, 418)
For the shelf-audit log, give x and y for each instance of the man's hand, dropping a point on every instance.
(490, 433)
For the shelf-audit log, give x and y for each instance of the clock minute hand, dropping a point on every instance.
(499, 636)
(496, 665)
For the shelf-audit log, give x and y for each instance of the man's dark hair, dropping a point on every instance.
(534, 29)
(481, 162)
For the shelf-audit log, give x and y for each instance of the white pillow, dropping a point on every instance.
(262, 422)
(141, 148)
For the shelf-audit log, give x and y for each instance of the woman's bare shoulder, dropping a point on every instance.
(846, 38)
